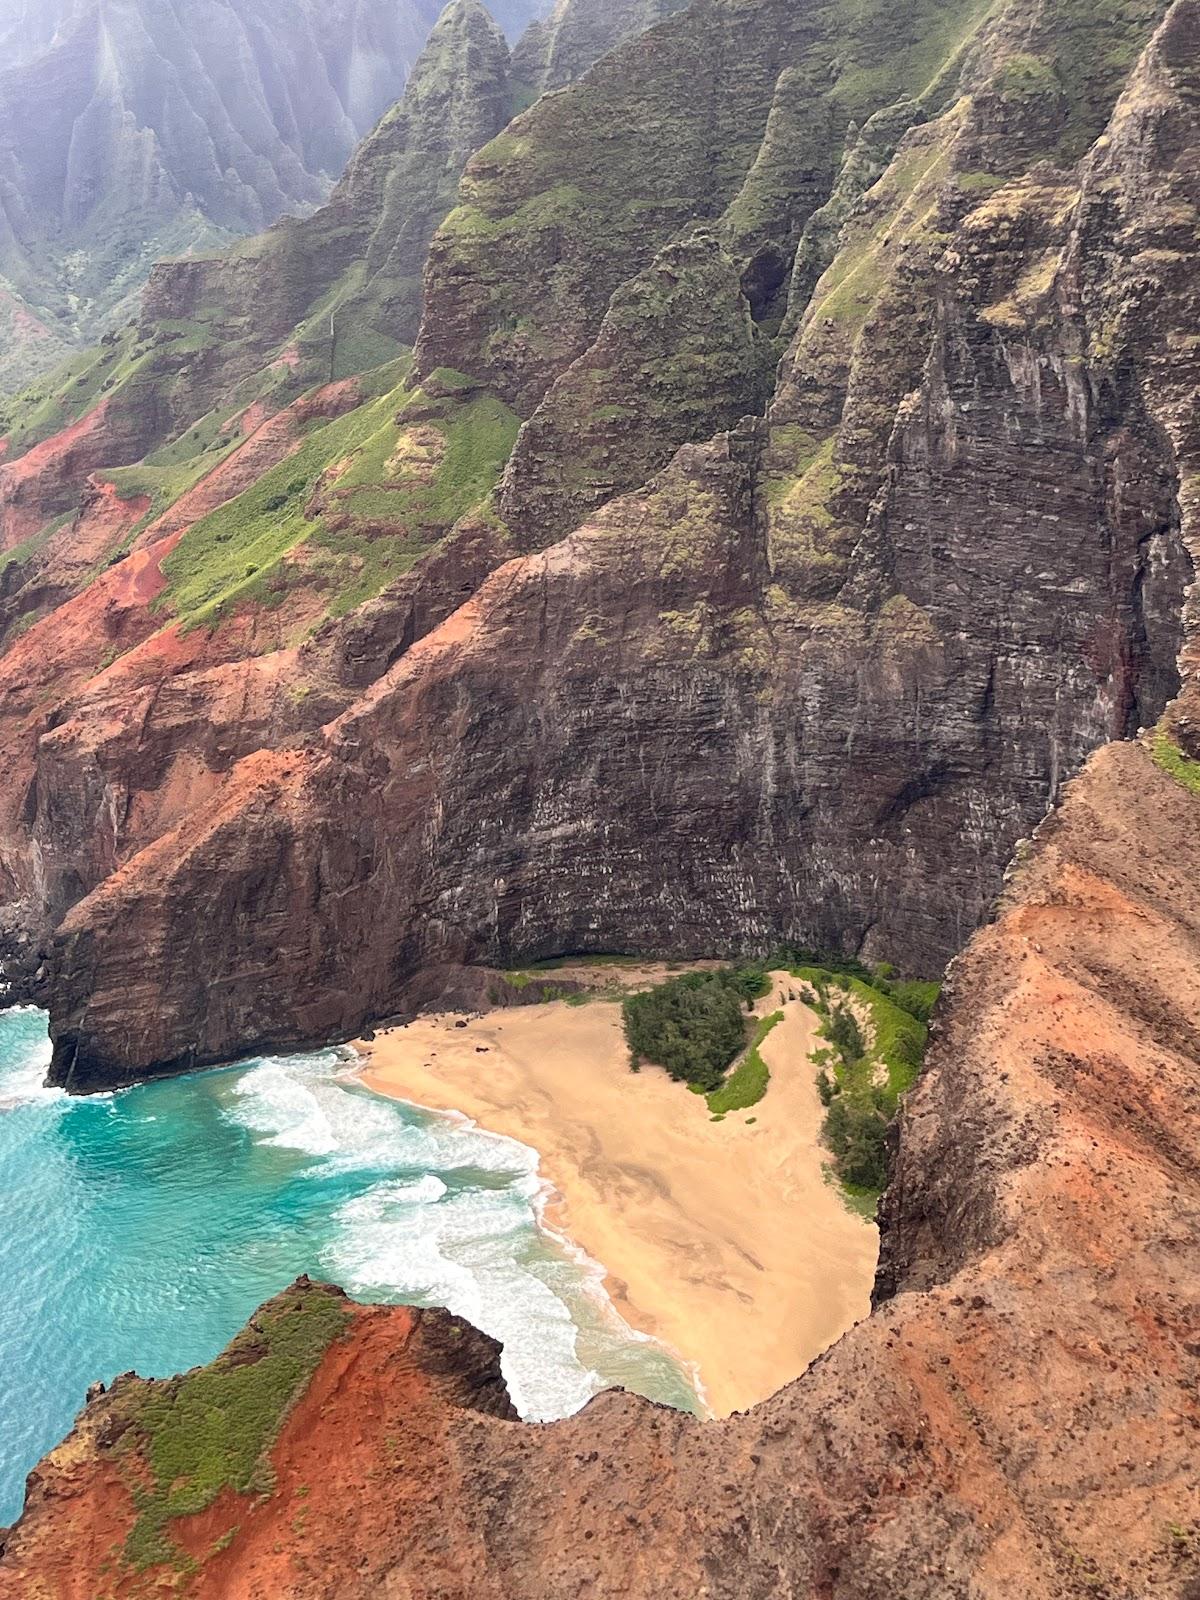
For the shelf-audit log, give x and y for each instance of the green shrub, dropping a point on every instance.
(845, 1035)
(751, 982)
(693, 1026)
(826, 962)
(861, 1079)
(917, 998)
(856, 1131)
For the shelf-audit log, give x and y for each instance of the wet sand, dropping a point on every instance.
(723, 1239)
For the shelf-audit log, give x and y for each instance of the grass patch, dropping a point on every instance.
(165, 480)
(22, 552)
(747, 1083)
(1167, 755)
(366, 495)
(213, 1429)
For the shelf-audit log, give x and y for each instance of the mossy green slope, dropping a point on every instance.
(580, 192)
(354, 508)
(313, 298)
(213, 1428)
(677, 358)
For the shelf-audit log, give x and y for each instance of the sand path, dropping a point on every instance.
(724, 1240)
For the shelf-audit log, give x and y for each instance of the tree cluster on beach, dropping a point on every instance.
(693, 1025)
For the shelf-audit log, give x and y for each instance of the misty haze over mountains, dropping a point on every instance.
(136, 129)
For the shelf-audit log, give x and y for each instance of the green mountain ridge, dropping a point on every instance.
(133, 132)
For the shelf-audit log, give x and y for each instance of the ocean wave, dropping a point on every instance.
(463, 1251)
(312, 1105)
(456, 1221)
(25, 1052)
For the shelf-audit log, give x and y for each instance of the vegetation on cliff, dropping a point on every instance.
(876, 1032)
(1172, 759)
(110, 170)
(211, 1430)
(355, 507)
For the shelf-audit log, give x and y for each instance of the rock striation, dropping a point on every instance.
(1018, 1414)
(812, 680)
(557, 49)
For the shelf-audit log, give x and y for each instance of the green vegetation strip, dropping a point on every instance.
(1172, 760)
(213, 1429)
(864, 1074)
(747, 1083)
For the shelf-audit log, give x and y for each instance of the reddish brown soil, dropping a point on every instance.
(366, 1445)
(1019, 1416)
(90, 684)
(73, 452)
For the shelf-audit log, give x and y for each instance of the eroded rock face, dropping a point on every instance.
(557, 49)
(811, 684)
(1018, 1415)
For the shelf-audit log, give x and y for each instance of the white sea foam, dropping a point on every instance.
(423, 1232)
(305, 1103)
(22, 1078)
(464, 1252)
(273, 1099)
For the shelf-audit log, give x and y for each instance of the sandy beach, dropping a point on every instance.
(724, 1240)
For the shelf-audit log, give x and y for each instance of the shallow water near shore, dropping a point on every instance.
(140, 1230)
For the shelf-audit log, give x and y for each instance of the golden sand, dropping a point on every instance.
(725, 1240)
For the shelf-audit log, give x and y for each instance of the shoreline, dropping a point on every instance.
(724, 1241)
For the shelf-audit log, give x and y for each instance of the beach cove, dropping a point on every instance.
(725, 1240)
(143, 1228)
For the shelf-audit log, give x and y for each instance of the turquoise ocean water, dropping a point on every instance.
(139, 1231)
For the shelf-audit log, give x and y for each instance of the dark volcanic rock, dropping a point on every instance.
(1018, 1414)
(677, 359)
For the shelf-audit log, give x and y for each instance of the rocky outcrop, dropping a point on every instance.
(792, 660)
(677, 358)
(337, 292)
(1017, 1415)
(585, 188)
(558, 49)
(308, 1362)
